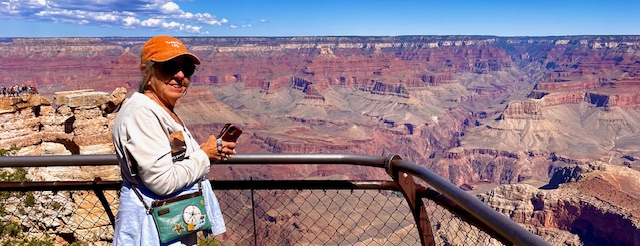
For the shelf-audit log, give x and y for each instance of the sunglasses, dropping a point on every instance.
(172, 67)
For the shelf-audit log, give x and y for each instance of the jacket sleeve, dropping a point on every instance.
(148, 143)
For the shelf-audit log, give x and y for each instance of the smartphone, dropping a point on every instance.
(230, 133)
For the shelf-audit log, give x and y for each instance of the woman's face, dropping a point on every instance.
(171, 79)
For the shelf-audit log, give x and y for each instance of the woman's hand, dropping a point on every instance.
(227, 149)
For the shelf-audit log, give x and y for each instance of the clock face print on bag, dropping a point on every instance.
(193, 217)
(179, 216)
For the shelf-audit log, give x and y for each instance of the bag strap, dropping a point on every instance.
(146, 207)
(149, 209)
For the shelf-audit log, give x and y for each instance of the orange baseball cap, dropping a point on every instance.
(164, 48)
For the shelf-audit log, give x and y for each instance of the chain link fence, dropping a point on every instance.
(318, 217)
(265, 212)
(55, 218)
(279, 216)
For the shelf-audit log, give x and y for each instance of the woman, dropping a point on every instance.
(158, 156)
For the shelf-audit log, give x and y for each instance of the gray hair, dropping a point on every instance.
(146, 76)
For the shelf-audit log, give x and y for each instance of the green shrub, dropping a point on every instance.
(34, 242)
(5, 194)
(56, 205)
(11, 151)
(19, 174)
(78, 244)
(29, 199)
(11, 229)
(208, 242)
(12, 233)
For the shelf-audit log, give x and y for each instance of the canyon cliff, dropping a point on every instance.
(478, 110)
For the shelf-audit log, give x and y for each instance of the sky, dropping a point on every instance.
(287, 18)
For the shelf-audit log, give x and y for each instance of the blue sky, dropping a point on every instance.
(273, 18)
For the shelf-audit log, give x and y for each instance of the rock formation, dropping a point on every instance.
(477, 110)
(80, 124)
(592, 201)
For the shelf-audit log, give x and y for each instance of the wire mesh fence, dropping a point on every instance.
(318, 217)
(55, 218)
(450, 229)
(283, 216)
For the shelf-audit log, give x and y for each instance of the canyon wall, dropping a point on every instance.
(478, 110)
(598, 202)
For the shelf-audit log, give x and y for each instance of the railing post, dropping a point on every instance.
(100, 194)
(253, 209)
(408, 188)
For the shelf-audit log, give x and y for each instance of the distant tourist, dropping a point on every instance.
(158, 156)
(16, 90)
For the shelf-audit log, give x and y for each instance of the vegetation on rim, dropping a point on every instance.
(12, 232)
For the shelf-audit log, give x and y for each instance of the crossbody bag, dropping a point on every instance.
(178, 216)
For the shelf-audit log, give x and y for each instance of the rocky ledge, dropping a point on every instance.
(598, 203)
(80, 124)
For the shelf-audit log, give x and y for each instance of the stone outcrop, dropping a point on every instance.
(522, 110)
(598, 203)
(21, 121)
(81, 124)
(604, 99)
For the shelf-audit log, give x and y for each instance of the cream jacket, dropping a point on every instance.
(163, 159)
(142, 135)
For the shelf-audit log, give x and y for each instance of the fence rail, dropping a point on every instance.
(274, 212)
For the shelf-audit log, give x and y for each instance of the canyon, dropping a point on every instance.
(520, 121)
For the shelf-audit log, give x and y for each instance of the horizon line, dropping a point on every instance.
(340, 36)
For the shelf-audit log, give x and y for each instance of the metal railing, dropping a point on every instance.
(277, 212)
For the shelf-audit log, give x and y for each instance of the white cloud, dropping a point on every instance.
(151, 22)
(171, 25)
(171, 8)
(106, 17)
(130, 21)
(151, 14)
